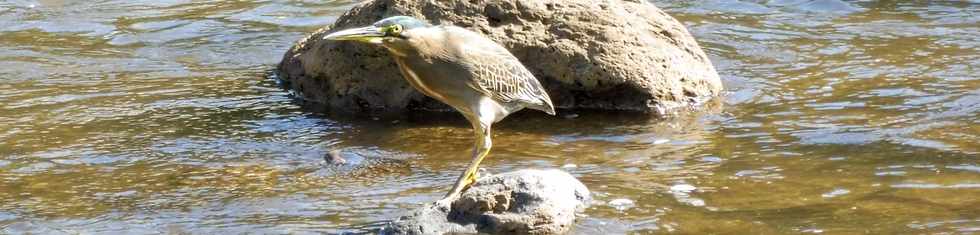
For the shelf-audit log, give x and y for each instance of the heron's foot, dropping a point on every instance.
(472, 178)
(447, 202)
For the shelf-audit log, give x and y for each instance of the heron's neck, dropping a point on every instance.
(396, 52)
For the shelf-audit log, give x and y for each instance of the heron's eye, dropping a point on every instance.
(395, 29)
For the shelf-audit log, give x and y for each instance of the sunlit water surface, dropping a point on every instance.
(159, 116)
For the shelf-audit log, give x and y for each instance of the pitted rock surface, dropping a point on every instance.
(520, 202)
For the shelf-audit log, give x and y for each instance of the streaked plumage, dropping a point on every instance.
(506, 80)
(454, 54)
(474, 75)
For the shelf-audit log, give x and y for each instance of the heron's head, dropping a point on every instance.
(389, 32)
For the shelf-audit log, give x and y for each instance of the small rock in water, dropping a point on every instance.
(356, 162)
(334, 157)
(520, 202)
(622, 204)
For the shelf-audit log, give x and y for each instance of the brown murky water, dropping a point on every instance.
(158, 116)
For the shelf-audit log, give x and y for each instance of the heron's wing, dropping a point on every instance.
(499, 74)
(507, 80)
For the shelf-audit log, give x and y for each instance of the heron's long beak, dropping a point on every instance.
(369, 34)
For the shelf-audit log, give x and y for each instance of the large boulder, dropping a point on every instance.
(520, 202)
(593, 54)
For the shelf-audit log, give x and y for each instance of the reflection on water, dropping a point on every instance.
(150, 116)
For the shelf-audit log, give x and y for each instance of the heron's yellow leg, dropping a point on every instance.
(480, 151)
(471, 173)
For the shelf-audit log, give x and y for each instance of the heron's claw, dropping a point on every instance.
(447, 202)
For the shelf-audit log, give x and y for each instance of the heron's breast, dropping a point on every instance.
(417, 82)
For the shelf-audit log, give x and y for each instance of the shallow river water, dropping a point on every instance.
(159, 116)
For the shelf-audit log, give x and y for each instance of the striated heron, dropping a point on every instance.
(474, 75)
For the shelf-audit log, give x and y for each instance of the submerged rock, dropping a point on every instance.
(520, 202)
(335, 157)
(354, 162)
(596, 54)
